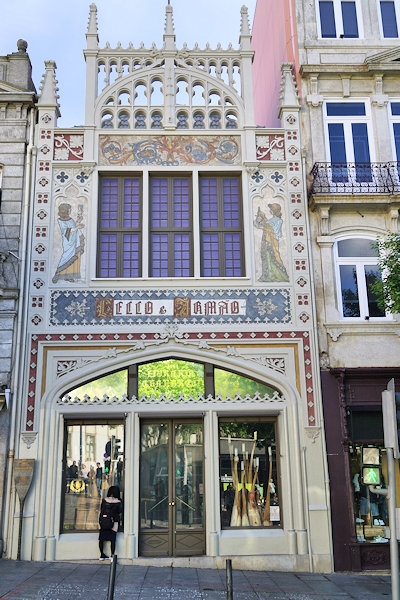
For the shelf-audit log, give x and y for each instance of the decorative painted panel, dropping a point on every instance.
(270, 147)
(69, 238)
(166, 150)
(144, 307)
(68, 146)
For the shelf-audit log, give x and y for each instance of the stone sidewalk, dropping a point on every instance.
(25, 580)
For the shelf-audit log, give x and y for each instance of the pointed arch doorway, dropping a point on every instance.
(170, 447)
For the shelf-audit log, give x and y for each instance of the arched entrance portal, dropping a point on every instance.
(172, 497)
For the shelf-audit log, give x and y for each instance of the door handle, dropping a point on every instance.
(172, 503)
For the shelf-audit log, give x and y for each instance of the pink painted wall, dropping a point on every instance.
(274, 40)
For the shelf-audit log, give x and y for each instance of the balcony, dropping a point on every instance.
(355, 178)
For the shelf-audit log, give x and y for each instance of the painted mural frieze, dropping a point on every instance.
(167, 150)
(141, 307)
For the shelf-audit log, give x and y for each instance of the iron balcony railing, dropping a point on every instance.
(355, 178)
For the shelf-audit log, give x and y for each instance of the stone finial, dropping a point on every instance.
(169, 30)
(48, 89)
(92, 37)
(245, 35)
(245, 25)
(289, 95)
(22, 46)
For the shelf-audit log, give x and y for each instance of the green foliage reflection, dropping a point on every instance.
(230, 384)
(172, 378)
(114, 384)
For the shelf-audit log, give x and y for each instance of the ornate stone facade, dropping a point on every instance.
(96, 308)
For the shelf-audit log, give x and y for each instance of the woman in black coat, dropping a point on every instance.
(111, 504)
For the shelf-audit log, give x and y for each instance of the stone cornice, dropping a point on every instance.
(363, 328)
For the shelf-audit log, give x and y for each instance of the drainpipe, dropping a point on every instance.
(307, 508)
(22, 313)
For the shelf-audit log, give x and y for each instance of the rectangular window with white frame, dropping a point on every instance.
(357, 269)
(389, 13)
(348, 142)
(339, 19)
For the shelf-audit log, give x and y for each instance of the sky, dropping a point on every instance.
(56, 31)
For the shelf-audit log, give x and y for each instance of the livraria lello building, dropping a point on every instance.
(168, 334)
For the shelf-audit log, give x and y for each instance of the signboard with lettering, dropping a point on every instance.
(154, 307)
(23, 474)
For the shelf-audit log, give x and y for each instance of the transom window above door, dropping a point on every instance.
(339, 18)
(168, 230)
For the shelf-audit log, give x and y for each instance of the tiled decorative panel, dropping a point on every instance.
(143, 307)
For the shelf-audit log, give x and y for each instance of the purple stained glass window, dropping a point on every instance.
(171, 245)
(159, 212)
(182, 255)
(159, 255)
(210, 255)
(221, 227)
(182, 207)
(132, 200)
(109, 203)
(131, 255)
(231, 203)
(108, 255)
(209, 202)
(120, 227)
(233, 258)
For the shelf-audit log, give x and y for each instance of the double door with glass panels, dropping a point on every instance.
(171, 488)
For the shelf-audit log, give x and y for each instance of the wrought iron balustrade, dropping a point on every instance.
(355, 178)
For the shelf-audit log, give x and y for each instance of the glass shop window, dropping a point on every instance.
(93, 461)
(369, 478)
(249, 476)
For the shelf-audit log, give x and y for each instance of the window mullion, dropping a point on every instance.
(145, 225)
(362, 290)
(196, 225)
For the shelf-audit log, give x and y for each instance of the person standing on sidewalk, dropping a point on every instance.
(109, 518)
(99, 478)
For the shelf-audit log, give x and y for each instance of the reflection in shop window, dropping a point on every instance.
(170, 378)
(113, 384)
(369, 477)
(230, 384)
(249, 480)
(93, 461)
